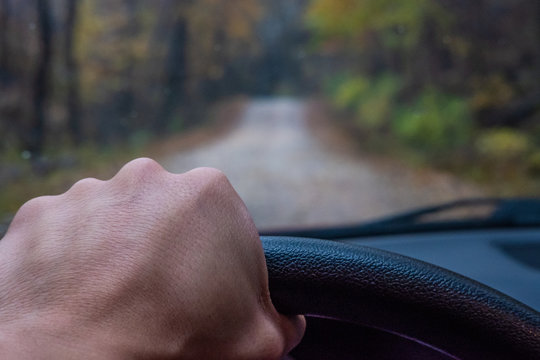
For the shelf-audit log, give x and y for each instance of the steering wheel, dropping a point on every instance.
(453, 315)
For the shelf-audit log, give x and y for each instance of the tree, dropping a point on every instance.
(5, 10)
(36, 134)
(176, 73)
(205, 39)
(72, 73)
(484, 51)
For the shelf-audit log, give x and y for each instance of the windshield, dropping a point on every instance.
(320, 112)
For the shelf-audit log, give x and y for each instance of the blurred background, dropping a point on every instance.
(376, 105)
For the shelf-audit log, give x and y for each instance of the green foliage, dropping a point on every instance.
(399, 23)
(139, 139)
(347, 90)
(533, 163)
(436, 121)
(176, 124)
(378, 103)
(503, 144)
(467, 67)
(372, 100)
(492, 91)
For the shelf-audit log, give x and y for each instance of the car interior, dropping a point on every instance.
(437, 290)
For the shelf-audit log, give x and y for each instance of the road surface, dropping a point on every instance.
(289, 178)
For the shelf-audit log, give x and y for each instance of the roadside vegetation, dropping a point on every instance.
(61, 167)
(451, 84)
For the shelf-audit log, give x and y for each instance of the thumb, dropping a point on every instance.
(293, 329)
(274, 337)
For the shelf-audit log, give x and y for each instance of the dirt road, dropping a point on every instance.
(289, 178)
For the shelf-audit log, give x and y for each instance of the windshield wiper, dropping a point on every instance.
(494, 213)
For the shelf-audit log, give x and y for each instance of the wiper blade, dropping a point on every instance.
(519, 212)
(501, 212)
(511, 211)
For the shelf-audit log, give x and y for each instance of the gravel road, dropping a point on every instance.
(290, 178)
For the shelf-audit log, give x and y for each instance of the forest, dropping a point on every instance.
(459, 81)
(455, 82)
(100, 71)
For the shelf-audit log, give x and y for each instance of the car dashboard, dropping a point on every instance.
(507, 260)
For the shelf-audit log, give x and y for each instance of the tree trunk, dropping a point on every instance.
(538, 40)
(176, 74)
(36, 136)
(149, 107)
(4, 33)
(72, 74)
(128, 96)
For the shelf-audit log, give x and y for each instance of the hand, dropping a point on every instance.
(147, 265)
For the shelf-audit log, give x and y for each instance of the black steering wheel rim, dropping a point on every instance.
(438, 308)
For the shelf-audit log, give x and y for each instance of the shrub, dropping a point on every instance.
(503, 144)
(371, 100)
(491, 92)
(533, 163)
(348, 91)
(378, 103)
(434, 122)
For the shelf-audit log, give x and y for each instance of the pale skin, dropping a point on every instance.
(146, 265)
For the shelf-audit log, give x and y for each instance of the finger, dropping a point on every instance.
(293, 329)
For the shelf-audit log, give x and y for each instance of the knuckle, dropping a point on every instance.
(142, 165)
(139, 169)
(209, 178)
(208, 172)
(33, 209)
(84, 185)
(213, 187)
(35, 205)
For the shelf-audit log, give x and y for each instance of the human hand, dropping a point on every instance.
(146, 265)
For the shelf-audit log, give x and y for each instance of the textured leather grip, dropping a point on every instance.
(453, 314)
